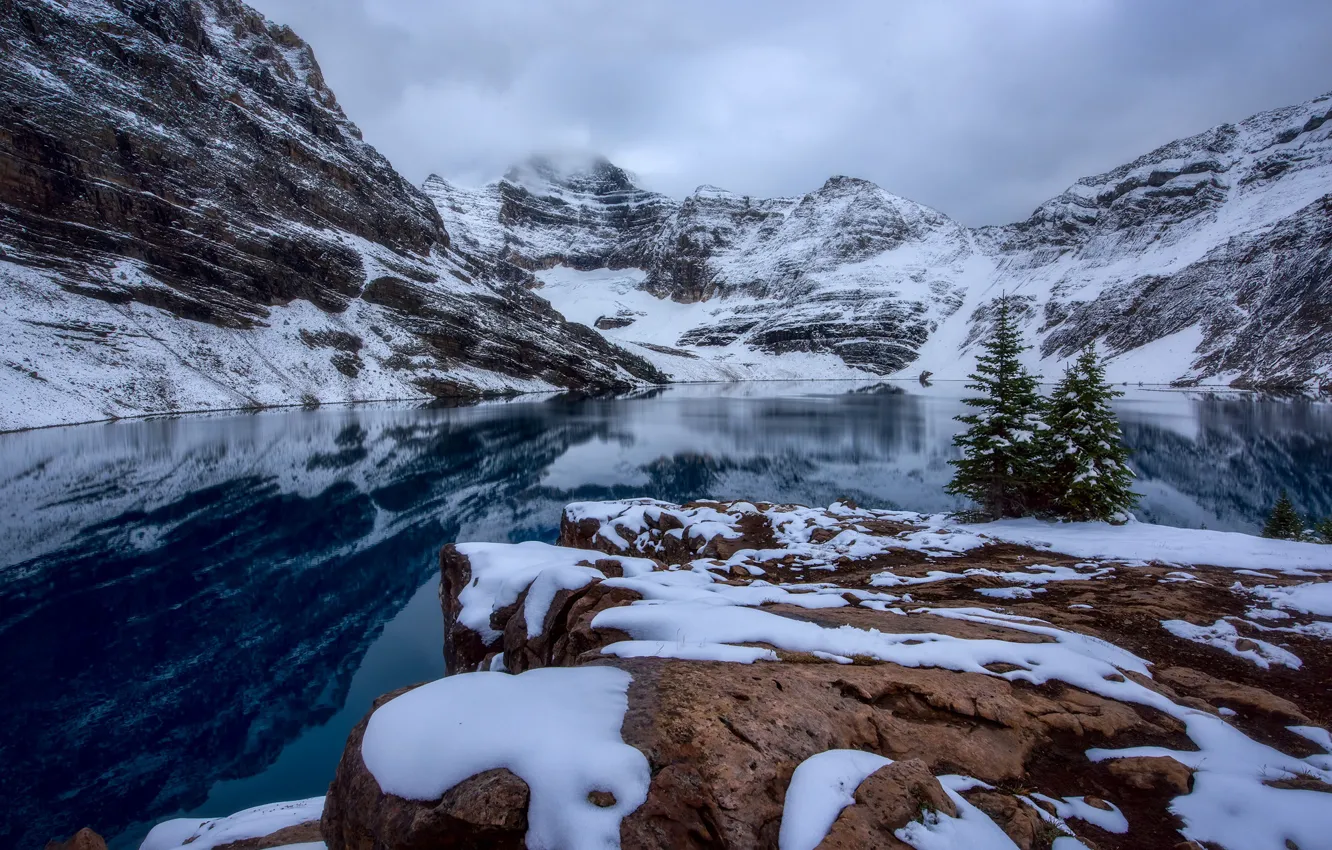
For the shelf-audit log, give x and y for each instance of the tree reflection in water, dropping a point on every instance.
(185, 605)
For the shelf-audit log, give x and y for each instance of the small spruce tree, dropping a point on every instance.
(1283, 523)
(1323, 531)
(1086, 462)
(999, 465)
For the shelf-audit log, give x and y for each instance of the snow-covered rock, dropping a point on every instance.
(846, 281)
(779, 708)
(1222, 238)
(297, 820)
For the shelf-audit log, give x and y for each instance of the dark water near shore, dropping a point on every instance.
(195, 612)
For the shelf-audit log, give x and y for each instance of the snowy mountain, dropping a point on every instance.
(188, 220)
(844, 281)
(1205, 261)
(1215, 246)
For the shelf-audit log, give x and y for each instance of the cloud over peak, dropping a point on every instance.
(982, 110)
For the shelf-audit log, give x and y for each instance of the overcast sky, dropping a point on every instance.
(980, 108)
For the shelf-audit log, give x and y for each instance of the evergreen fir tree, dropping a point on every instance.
(1085, 459)
(998, 468)
(1284, 523)
(1323, 531)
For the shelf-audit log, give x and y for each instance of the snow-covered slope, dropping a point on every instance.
(845, 281)
(1221, 239)
(188, 220)
(1205, 261)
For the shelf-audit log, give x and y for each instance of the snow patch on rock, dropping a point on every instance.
(557, 729)
(821, 786)
(257, 822)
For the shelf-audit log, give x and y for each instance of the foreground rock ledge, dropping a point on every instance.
(1024, 741)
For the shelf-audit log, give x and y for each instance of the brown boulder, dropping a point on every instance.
(567, 632)
(488, 811)
(732, 735)
(723, 740)
(577, 640)
(84, 839)
(1195, 683)
(887, 799)
(1023, 824)
(464, 649)
(1153, 773)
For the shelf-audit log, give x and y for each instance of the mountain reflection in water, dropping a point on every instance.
(194, 612)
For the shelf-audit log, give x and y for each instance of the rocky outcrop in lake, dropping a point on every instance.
(844, 677)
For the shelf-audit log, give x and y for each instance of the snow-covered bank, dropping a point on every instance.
(940, 535)
(258, 822)
(72, 359)
(781, 676)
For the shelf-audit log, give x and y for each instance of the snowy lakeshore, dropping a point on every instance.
(734, 674)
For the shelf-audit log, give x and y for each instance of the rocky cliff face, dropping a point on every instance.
(849, 270)
(545, 213)
(1221, 238)
(1205, 260)
(844, 279)
(182, 192)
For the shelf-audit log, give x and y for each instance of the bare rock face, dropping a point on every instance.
(734, 735)
(1153, 773)
(566, 633)
(303, 833)
(84, 839)
(723, 740)
(1227, 693)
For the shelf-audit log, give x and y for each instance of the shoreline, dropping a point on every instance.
(1266, 394)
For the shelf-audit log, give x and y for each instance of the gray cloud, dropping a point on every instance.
(980, 109)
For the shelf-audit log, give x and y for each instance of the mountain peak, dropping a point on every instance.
(841, 181)
(707, 190)
(842, 186)
(581, 173)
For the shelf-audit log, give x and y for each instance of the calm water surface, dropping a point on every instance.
(194, 612)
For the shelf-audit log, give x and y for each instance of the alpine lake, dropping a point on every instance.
(195, 611)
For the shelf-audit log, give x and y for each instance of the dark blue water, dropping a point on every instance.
(195, 612)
